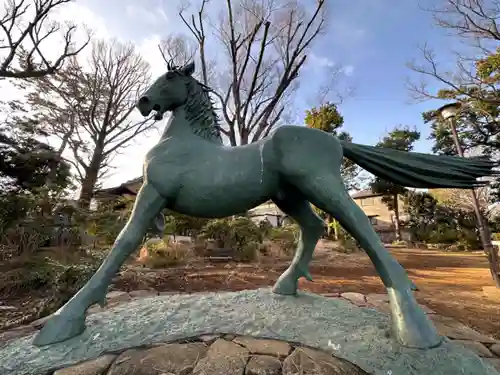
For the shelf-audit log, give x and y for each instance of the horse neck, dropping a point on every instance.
(177, 125)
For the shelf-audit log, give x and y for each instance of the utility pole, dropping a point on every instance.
(449, 113)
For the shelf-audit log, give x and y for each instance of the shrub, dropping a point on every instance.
(347, 242)
(244, 230)
(105, 223)
(51, 276)
(183, 225)
(158, 253)
(265, 228)
(286, 238)
(247, 252)
(23, 237)
(348, 245)
(240, 234)
(31, 221)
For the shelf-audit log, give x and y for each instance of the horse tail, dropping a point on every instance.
(418, 170)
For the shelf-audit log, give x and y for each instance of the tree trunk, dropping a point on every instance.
(91, 175)
(397, 228)
(490, 250)
(336, 230)
(52, 176)
(494, 263)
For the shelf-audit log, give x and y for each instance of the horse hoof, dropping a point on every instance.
(411, 327)
(59, 328)
(286, 285)
(420, 336)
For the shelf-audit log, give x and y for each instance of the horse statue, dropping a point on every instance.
(191, 171)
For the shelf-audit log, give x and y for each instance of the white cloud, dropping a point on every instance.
(348, 70)
(142, 14)
(148, 48)
(83, 16)
(320, 61)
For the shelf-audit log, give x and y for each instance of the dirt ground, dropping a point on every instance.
(450, 283)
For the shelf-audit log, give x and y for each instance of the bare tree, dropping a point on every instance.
(462, 199)
(265, 44)
(475, 22)
(25, 26)
(196, 26)
(177, 49)
(89, 108)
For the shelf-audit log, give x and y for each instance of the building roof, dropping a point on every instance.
(120, 189)
(366, 193)
(266, 208)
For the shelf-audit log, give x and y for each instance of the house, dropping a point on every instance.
(382, 219)
(128, 189)
(270, 212)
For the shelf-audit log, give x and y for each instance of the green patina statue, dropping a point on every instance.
(192, 172)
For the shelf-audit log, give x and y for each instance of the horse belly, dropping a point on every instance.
(221, 193)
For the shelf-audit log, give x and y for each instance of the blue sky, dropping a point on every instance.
(374, 38)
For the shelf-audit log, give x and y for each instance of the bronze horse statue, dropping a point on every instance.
(190, 171)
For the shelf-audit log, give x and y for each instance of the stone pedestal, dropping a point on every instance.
(335, 325)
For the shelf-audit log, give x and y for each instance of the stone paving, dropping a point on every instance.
(228, 354)
(217, 355)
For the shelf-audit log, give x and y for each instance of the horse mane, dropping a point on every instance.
(200, 112)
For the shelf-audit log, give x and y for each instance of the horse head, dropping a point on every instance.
(168, 92)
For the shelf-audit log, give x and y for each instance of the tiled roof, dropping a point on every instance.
(367, 193)
(120, 189)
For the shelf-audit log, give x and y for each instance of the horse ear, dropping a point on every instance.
(188, 69)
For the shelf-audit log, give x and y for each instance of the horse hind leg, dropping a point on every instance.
(410, 325)
(311, 228)
(69, 320)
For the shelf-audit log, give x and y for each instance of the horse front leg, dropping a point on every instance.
(69, 320)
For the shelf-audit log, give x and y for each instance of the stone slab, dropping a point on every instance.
(476, 347)
(307, 361)
(223, 358)
(356, 298)
(171, 358)
(495, 348)
(263, 365)
(354, 334)
(266, 347)
(96, 366)
(451, 328)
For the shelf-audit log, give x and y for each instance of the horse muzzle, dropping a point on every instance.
(145, 106)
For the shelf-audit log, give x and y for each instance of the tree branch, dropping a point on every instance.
(14, 12)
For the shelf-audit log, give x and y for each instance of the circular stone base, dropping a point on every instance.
(217, 354)
(360, 336)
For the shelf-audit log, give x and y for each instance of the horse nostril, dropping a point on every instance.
(144, 100)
